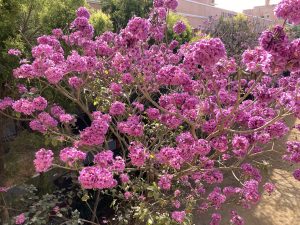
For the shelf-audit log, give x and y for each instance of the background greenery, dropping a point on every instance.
(238, 33)
(21, 22)
(121, 11)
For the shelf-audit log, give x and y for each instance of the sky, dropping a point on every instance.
(240, 5)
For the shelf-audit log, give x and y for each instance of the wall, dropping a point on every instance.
(94, 4)
(265, 12)
(197, 11)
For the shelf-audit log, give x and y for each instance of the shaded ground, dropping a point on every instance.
(283, 206)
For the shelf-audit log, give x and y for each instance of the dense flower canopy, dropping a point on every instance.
(184, 116)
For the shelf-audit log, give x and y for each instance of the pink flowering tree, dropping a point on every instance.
(183, 116)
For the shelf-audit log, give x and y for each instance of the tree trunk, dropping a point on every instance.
(2, 150)
(4, 212)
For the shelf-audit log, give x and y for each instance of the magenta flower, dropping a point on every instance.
(96, 178)
(43, 160)
(179, 27)
(288, 10)
(20, 219)
(178, 216)
(15, 52)
(165, 182)
(269, 188)
(296, 174)
(117, 108)
(71, 155)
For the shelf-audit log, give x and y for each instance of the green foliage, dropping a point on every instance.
(238, 33)
(39, 210)
(294, 31)
(41, 16)
(121, 11)
(21, 22)
(186, 36)
(101, 22)
(58, 13)
(9, 9)
(8, 20)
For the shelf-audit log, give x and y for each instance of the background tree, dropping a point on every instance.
(238, 33)
(186, 36)
(121, 11)
(101, 22)
(21, 22)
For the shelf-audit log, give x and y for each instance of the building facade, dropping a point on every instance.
(197, 11)
(265, 12)
(94, 3)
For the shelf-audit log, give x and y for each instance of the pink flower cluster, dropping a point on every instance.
(15, 52)
(116, 88)
(172, 75)
(236, 219)
(293, 152)
(94, 177)
(60, 114)
(137, 154)
(20, 219)
(171, 4)
(178, 216)
(43, 160)
(105, 159)
(183, 104)
(288, 10)
(5, 103)
(296, 174)
(215, 219)
(23, 106)
(71, 155)
(83, 12)
(250, 171)
(75, 82)
(187, 149)
(165, 182)
(132, 126)
(275, 54)
(138, 28)
(39, 103)
(153, 113)
(170, 156)
(216, 197)
(250, 191)
(240, 145)
(117, 108)
(269, 188)
(43, 122)
(179, 27)
(95, 134)
(206, 52)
